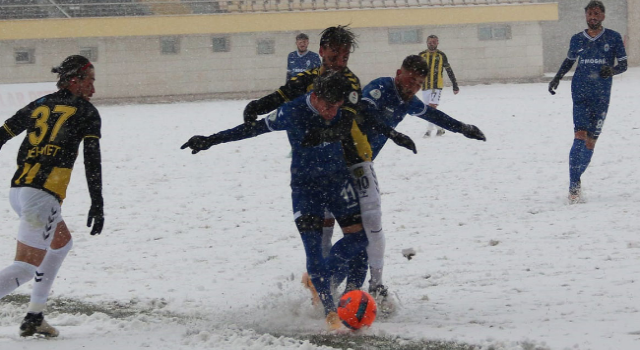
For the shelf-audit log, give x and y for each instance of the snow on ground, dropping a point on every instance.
(203, 253)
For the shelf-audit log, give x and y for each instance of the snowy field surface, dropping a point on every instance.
(201, 252)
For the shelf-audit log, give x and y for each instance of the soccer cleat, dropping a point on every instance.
(379, 292)
(306, 282)
(386, 303)
(34, 324)
(575, 194)
(427, 134)
(333, 321)
(440, 132)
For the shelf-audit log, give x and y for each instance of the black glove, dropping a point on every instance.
(472, 132)
(250, 114)
(96, 215)
(200, 143)
(553, 84)
(606, 72)
(403, 140)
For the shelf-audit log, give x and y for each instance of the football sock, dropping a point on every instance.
(15, 275)
(317, 269)
(327, 235)
(579, 159)
(46, 275)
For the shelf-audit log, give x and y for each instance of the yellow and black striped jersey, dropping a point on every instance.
(359, 149)
(56, 124)
(437, 61)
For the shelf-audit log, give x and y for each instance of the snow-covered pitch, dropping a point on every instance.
(201, 252)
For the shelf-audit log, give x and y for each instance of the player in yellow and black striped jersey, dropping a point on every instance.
(336, 44)
(55, 125)
(433, 84)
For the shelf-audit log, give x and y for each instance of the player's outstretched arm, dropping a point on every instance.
(564, 68)
(243, 131)
(93, 171)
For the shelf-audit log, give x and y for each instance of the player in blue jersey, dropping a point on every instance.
(302, 59)
(596, 49)
(389, 100)
(320, 180)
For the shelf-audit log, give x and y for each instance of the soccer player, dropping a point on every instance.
(302, 59)
(433, 84)
(596, 49)
(389, 100)
(336, 44)
(56, 124)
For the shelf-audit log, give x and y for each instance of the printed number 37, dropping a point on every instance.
(41, 114)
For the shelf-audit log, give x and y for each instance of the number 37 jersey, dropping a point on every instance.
(55, 124)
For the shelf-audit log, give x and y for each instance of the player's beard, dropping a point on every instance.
(594, 25)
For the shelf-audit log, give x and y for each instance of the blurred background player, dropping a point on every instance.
(596, 49)
(302, 59)
(56, 124)
(389, 100)
(433, 84)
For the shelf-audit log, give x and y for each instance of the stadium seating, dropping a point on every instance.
(34, 9)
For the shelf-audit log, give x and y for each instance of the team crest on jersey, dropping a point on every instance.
(375, 93)
(353, 97)
(606, 47)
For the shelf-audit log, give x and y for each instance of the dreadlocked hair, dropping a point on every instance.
(338, 36)
(74, 66)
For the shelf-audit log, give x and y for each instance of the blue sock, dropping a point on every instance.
(579, 159)
(317, 268)
(349, 248)
(358, 267)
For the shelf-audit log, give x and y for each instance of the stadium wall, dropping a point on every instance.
(130, 63)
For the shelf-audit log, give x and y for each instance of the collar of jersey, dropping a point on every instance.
(596, 37)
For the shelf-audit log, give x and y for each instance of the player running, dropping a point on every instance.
(596, 49)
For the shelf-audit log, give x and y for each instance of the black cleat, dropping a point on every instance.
(34, 324)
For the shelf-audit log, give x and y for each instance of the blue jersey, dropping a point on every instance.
(299, 118)
(381, 100)
(592, 54)
(297, 63)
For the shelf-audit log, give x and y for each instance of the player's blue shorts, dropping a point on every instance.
(335, 193)
(589, 115)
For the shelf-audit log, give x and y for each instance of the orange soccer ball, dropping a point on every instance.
(357, 309)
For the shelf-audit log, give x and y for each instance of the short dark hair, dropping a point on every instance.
(594, 3)
(416, 64)
(338, 36)
(302, 36)
(432, 36)
(332, 87)
(72, 67)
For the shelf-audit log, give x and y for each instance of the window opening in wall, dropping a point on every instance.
(91, 53)
(405, 36)
(221, 44)
(496, 32)
(169, 45)
(25, 56)
(266, 47)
